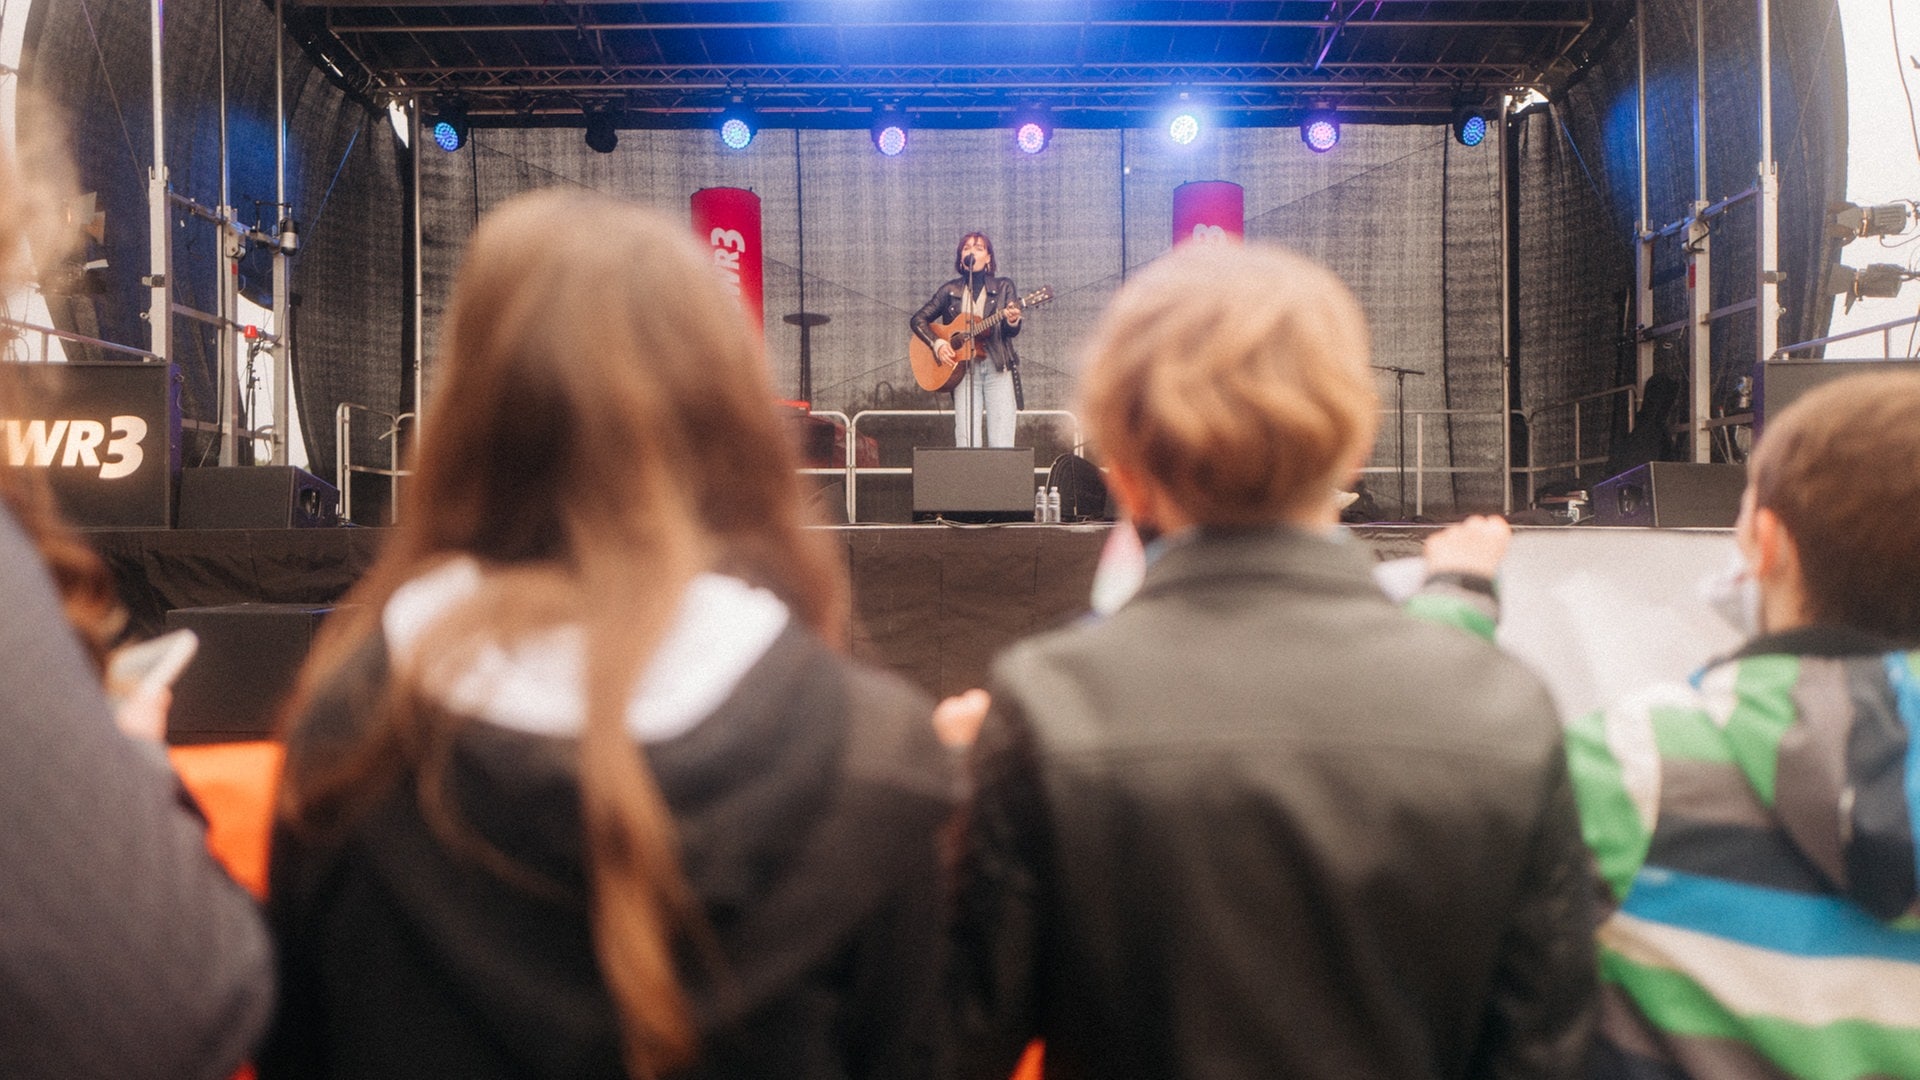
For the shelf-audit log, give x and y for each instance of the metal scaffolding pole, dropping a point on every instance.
(159, 237)
(284, 240)
(1645, 346)
(1767, 229)
(1502, 135)
(1699, 246)
(226, 266)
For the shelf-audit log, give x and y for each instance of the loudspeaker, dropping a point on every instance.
(256, 497)
(249, 655)
(973, 485)
(1778, 382)
(1671, 494)
(1083, 489)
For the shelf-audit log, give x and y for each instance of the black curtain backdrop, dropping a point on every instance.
(1406, 215)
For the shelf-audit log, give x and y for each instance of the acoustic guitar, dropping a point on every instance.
(967, 334)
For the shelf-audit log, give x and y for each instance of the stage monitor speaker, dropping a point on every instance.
(256, 497)
(973, 485)
(248, 657)
(1778, 383)
(1671, 494)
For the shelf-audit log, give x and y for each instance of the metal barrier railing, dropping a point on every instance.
(1420, 469)
(47, 332)
(343, 454)
(854, 471)
(1579, 458)
(1885, 330)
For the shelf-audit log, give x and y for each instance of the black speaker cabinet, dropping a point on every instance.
(1778, 383)
(249, 655)
(1671, 494)
(973, 485)
(256, 497)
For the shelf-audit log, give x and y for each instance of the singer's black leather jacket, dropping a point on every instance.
(948, 301)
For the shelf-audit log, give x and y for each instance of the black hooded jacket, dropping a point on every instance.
(807, 805)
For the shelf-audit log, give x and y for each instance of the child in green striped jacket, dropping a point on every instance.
(1754, 829)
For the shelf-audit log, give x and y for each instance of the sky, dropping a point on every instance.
(1883, 161)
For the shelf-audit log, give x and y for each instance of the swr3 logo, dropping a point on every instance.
(78, 444)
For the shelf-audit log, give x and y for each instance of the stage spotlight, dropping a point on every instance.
(1032, 136)
(1881, 280)
(1184, 128)
(1850, 221)
(1470, 126)
(1032, 130)
(736, 128)
(1320, 131)
(890, 133)
(603, 132)
(448, 126)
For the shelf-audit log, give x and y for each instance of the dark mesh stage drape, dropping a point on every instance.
(1406, 216)
(1579, 198)
(92, 59)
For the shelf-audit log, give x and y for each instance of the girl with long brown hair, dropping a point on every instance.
(577, 786)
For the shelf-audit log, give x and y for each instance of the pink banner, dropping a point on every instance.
(1209, 210)
(727, 220)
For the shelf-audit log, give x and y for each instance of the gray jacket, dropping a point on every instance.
(125, 951)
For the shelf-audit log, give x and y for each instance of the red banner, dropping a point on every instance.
(727, 220)
(1209, 210)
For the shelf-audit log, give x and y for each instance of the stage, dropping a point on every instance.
(1595, 610)
(933, 602)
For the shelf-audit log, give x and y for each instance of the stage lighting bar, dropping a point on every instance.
(1320, 131)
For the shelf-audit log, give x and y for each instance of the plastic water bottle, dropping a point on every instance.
(1053, 505)
(1039, 505)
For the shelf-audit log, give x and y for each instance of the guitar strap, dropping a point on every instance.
(1013, 357)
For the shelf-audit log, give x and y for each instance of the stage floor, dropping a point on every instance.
(933, 602)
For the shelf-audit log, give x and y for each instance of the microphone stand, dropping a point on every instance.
(1400, 415)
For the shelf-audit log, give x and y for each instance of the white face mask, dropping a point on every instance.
(1734, 595)
(1122, 567)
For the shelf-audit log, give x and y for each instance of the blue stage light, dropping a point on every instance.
(1184, 128)
(890, 136)
(1470, 127)
(1321, 133)
(448, 126)
(1032, 136)
(735, 133)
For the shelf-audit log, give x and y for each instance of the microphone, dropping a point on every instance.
(972, 260)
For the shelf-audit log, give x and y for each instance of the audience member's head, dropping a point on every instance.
(1230, 386)
(1838, 472)
(602, 428)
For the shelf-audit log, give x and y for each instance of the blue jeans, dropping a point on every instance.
(983, 405)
